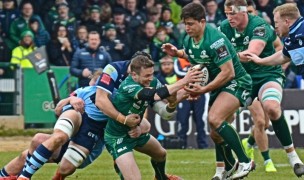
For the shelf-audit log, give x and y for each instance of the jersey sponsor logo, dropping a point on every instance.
(217, 43)
(232, 85)
(106, 79)
(122, 149)
(101, 56)
(259, 31)
(109, 69)
(222, 52)
(300, 42)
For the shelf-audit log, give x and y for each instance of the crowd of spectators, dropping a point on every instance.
(123, 27)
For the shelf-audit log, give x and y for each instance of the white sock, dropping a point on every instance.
(293, 158)
(219, 170)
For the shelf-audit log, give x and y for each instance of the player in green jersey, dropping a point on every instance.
(251, 34)
(260, 120)
(230, 85)
(135, 93)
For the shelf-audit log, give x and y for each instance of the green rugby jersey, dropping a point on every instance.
(213, 50)
(257, 28)
(125, 102)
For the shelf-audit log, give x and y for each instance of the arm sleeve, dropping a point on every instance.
(107, 79)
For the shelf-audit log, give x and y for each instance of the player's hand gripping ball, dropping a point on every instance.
(205, 78)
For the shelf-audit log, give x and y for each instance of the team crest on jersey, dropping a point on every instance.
(259, 31)
(246, 40)
(300, 42)
(204, 55)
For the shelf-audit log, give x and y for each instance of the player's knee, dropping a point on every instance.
(75, 156)
(59, 138)
(272, 109)
(66, 168)
(214, 121)
(37, 140)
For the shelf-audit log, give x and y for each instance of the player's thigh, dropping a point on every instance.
(223, 107)
(153, 149)
(69, 120)
(128, 167)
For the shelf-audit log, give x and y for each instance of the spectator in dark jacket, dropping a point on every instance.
(122, 28)
(81, 38)
(116, 47)
(87, 60)
(5, 52)
(143, 40)
(41, 36)
(7, 15)
(59, 48)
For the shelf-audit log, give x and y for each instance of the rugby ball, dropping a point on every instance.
(205, 78)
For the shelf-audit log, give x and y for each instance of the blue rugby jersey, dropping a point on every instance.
(113, 74)
(294, 45)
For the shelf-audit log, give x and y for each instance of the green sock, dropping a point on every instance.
(227, 155)
(265, 155)
(218, 153)
(251, 140)
(281, 130)
(231, 137)
(159, 168)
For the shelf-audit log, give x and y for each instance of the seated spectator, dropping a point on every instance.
(144, 39)
(25, 47)
(41, 36)
(81, 38)
(89, 59)
(7, 15)
(5, 52)
(114, 46)
(161, 37)
(59, 49)
(166, 22)
(20, 24)
(94, 22)
(134, 17)
(214, 16)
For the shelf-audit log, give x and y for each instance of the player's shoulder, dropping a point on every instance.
(256, 21)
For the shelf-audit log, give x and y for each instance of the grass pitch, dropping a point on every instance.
(189, 164)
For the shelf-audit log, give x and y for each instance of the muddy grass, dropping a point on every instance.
(15, 143)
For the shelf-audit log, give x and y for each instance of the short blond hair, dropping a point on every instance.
(288, 10)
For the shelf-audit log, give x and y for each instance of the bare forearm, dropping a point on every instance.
(276, 59)
(221, 79)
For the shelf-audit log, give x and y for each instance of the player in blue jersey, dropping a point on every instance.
(289, 24)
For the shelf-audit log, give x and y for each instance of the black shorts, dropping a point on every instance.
(90, 131)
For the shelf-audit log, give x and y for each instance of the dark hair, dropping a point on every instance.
(193, 10)
(141, 60)
(56, 29)
(251, 3)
